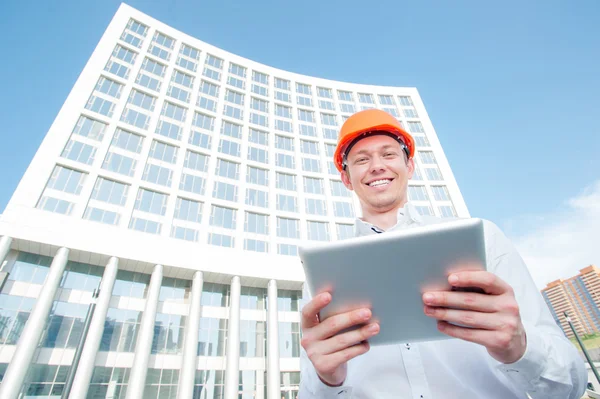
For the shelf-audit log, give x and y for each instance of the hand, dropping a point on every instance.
(493, 317)
(328, 352)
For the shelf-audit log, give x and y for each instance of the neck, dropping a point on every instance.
(384, 219)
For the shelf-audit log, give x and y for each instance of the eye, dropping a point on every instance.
(361, 160)
(389, 154)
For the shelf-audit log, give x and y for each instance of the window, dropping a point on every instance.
(100, 105)
(324, 93)
(148, 82)
(220, 240)
(255, 246)
(343, 209)
(90, 128)
(257, 176)
(231, 130)
(427, 157)
(417, 193)
(233, 112)
(228, 169)
(287, 203)
(207, 104)
(79, 152)
(182, 78)
(440, 193)
(211, 73)
(328, 119)
(196, 161)
(163, 152)
(365, 98)
(163, 40)
(223, 217)
(225, 191)
(304, 101)
(110, 191)
(328, 105)
(158, 175)
(424, 210)
(285, 161)
(260, 90)
(311, 165)
(308, 130)
(258, 137)
(392, 111)
(258, 154)
(309, 147)
(282, 84)
(214, 61)
(339, 190)
(109, 87)
(234, 97)
(186, 209)
(415, 127)
(257, 198)
(281, 96)
(186, 234)
(179, 94)
(345, 95)
(203, 121)
(191, 184)
(66, 180)
(169, 130)
(330, 134)
(386, 100)
(124, 54)
(151, 202)
(347, 108)
(145, 226)
(421, 141)
(302, 88)
(288, 228)
(286, 181)
(284, 143)
(186, 55)
(313, 185)
(102, 216)
(256, 223)
(229, 147)
(306, 116)
(316, 207)
(329, 149)
(447, 211)
(405, 101)
(317, 231)
(201, 140)
(344, 231)
(283, 111)
(55, 205)
(260, 77)
(433, 173)
(258, 119)
(259, 105)
(117, 69)
(142, 100)
(287, 249)
(210, 89)
(235, 82)
(119, 164)
(410, 113)
(332, 170)
(154, 67)
(237, 70)
(135, 118)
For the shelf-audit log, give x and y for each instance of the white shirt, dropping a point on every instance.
(550, 368)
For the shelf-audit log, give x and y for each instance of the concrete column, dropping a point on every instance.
(5, 242)
(187, 374)
(137, 379)
(85, 368)
(232, 372)
(30, 337)
(273, 375)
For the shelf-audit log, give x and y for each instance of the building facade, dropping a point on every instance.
(179, 180)
(579, 296)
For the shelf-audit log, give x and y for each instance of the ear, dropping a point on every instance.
(345, 175)
(411, 168)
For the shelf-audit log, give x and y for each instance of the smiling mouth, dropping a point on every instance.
(380, 183)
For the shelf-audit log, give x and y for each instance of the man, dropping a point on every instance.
(511, 348)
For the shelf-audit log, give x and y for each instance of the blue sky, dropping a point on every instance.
(512, 87)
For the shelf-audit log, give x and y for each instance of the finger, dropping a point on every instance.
(334, 324)
(310, 312)
(461, 300)
(329, 363)
(489, 282)
(485, 321)
(345, 340)
(487, 338)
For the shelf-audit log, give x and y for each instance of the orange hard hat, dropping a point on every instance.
(363, 122)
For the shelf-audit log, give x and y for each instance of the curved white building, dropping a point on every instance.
(181, 179)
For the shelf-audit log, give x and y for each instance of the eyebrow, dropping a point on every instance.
(364, 151)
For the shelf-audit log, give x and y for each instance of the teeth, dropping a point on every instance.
(379, 183)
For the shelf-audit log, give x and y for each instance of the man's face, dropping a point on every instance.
(378, 172)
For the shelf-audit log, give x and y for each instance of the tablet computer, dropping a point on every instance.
(389, 273)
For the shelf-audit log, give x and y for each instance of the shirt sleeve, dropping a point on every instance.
(551, 366)
(311, 386)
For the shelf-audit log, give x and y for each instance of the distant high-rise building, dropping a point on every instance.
(579, 296)
(181, 179)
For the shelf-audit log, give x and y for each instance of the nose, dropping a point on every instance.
(377, 164)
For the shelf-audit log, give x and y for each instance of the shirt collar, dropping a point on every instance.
(406, 215)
